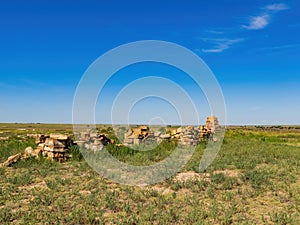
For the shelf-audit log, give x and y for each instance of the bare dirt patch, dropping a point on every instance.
(229, 173)
(162, 190)
(190, 175)
(40, 185)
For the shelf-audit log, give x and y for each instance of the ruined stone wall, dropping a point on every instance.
(186, 136)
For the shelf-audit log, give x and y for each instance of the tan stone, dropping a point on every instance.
(140, 132)
(41, 146)
(49, 142)
(59, 136)
(29, 152)
(179, 130)
(38, 151)
(50, 155)
(165, 136)
(157, 134)
(12, 159)
(40, 138)
(136, 141)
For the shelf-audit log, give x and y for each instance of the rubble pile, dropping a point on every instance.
(93, 141)
(186, 135)
(137, 135)
(53, 146)
(189, 136)
(141, 135)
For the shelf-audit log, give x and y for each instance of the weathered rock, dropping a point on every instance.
(59, 144)
(165, 136)
(59, 136)
(179, 130)
(40, 138)
(157, 134)
(136, 141)
(38, 151)
(93, 135)
(12, 159)
(49, 142)
(41, 146)
(29, 152)
(211, 126)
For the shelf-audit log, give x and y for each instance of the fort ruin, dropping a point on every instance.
(57, 146)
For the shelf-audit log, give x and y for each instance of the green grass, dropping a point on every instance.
(14, 145)
(255, 179)
(143, 158)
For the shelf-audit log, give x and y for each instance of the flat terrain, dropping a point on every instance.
(255, 179)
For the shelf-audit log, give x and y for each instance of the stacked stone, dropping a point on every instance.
(212, 123)
(54, 146)
(211, 126)
(189, 136)
(174, 132)
(135, 136)
(155, 138)
(93, 141)
(141, 135)
(159, 136)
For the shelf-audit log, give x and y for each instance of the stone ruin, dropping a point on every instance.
(211, 126)
(93, 140)
(186, 135)
(52, 146)
(56, 146)
(189, 136)
(137, 135)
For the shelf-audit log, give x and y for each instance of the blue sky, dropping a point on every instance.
(252, 46)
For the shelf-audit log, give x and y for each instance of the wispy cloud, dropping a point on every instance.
(277, 7)
(219, 45)
(261, 21)
(258, 22)
(215, 32)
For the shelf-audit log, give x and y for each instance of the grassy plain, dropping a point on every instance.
(255, 179)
